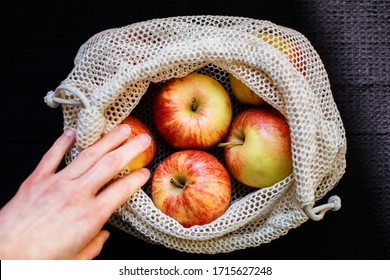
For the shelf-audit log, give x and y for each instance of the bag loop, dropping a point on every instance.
(317, 213)
(53, 101)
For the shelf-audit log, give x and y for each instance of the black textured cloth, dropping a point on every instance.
(40, 41)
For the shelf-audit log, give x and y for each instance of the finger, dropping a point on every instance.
(87, 158)
(121, 190)
(53, 157)
(94, 248)
(112, 163)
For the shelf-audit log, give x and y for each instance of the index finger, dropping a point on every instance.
(90, 156)
(113, 162)
(53, 157)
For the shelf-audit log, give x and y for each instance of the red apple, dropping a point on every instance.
(192, 187)
(138, 127)
(193, 112)
(258, 147)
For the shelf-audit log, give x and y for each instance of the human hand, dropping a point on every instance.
(60, 215)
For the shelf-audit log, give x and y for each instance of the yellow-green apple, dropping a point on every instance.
(138, 127)
(243, 93)
(258, 147)
(192, 187)
(192, 112)
(290, 50)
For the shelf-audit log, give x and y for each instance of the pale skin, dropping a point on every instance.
(60, 214)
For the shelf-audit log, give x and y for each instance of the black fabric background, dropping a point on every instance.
(40, 41)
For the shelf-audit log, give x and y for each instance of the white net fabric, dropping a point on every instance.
(116, 68)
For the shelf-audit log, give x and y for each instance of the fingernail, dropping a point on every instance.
(70, 131)
(125, 129)
(145, 138)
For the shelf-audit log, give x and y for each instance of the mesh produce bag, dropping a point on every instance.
(116, 68)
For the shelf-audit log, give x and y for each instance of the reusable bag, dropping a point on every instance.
(117, 71)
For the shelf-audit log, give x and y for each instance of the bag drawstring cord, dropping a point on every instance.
(53, 101)
(317, 213)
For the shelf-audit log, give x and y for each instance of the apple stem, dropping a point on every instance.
(231, 143)
(176, 183)
(194, 105)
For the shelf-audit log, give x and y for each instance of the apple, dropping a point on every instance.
(192, 187)
(292, 52)
(138, 127)
(243, 93)
(257, 150)
(192, 112)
